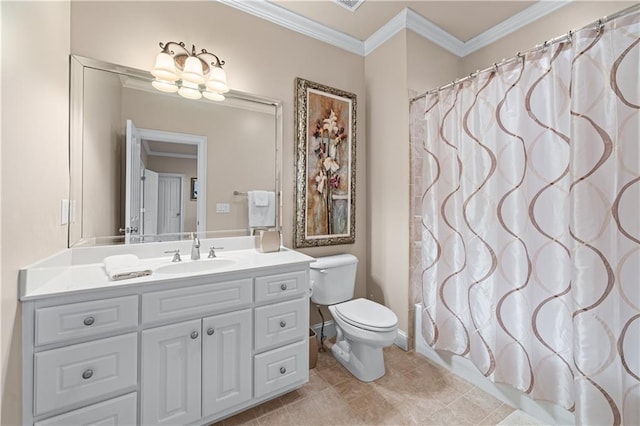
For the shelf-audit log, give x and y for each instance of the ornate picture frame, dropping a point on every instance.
(325, 123)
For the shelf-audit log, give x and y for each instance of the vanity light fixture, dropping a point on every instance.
(200, 74)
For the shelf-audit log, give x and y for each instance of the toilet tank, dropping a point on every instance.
(333, 279)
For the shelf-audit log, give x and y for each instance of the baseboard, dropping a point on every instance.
(402, 341)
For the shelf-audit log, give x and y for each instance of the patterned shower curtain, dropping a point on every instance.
(530, 219)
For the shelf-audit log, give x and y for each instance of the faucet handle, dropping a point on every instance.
(176, 255)
(212, 251)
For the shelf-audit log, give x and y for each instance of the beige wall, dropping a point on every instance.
(570, 17)
(388, 175)
(429, 65)
(35, 76)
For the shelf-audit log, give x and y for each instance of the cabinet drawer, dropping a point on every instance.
(196, 300)
(119, 411)
(280, 323)
(281, 286)
(281, 367)
(81, 372)
(65, 322)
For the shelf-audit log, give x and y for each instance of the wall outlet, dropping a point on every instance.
(223, 208)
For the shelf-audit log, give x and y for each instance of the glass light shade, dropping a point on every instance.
(189, 90)
(217, 80)
(213, 96)
(164, 86)
(165, 68)
(193, 71)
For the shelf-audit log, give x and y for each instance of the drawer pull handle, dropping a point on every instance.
(283, 370)
(194, 334)
(210, 331)
(89, 321)
(283, 286)
(283, 324)
(87, 374)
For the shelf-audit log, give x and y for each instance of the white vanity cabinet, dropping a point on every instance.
(195, 368)
(186, 350)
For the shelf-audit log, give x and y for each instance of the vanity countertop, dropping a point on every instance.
(70, 272)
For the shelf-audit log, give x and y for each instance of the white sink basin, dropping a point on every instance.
(195, 266)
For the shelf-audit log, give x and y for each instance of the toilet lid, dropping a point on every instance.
(367, 314)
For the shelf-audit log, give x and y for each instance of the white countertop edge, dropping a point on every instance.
(59, 274)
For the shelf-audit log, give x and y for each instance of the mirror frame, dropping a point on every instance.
(76, 115)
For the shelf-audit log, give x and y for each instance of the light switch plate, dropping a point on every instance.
(223, 208)
(64, 212)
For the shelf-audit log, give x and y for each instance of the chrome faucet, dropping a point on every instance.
(195, 247)
(212, 251)
(176, 255)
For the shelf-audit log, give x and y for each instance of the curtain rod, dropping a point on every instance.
(598, 23)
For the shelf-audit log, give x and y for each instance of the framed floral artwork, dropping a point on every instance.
(325, 123)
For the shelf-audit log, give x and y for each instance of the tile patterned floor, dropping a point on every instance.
(413, 392)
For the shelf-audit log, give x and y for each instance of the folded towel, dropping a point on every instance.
(260, 198)
(124, 266)
(262, 216)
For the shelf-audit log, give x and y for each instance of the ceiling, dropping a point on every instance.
(459, 26)
(462, 19)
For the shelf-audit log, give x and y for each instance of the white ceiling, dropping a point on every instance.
(458, 26)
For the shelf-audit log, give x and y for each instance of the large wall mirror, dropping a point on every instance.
(150, 166)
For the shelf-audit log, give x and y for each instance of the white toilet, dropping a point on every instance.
(363, 327)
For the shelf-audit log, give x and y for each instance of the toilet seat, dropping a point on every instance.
(367, 315)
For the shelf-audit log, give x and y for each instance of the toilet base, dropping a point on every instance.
(365, 362)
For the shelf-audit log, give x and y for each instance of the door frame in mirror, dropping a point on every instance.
(234, 98)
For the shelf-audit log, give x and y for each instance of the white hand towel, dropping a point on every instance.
(260, 198)
(262, 216)
(124, 266)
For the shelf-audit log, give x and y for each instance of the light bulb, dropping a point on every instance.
(217, 80)
(189, 90)
(193, 70)
(164, 86)
(213, 96)
(165, 68)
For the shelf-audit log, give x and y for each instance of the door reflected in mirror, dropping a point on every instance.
(123, 131)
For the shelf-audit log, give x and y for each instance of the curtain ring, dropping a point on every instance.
(570, 35)
(600, 25)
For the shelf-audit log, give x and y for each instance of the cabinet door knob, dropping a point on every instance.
(87, 374)
(194, 334)
(210, 331)
(283, 370)
(283, 324)
(89, 321)
(283, 286)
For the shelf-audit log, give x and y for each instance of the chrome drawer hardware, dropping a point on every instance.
(283, 324)
(283, 370)
(283, 286)
(87, 374)
(210, 331)
(194, 334)
(89, 321)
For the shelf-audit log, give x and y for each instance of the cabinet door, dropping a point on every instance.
(171, 367)
(226, 361)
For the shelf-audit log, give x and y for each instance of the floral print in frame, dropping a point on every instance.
(325, 122)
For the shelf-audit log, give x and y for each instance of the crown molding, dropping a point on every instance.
(406, 19)
(514, 23)
(427, 29)
(285, 18)
(386, 32)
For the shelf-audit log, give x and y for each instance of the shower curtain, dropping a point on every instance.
(529, 208)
